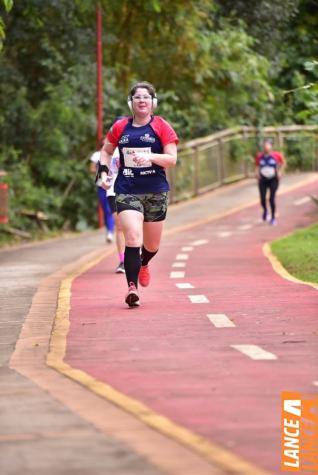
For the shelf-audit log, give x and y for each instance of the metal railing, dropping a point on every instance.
(223, 157)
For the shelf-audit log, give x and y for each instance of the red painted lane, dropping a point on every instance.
(168, 355)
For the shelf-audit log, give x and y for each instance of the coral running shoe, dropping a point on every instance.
(132, 297)
(144, 276)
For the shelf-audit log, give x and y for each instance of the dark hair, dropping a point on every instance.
(145, 85)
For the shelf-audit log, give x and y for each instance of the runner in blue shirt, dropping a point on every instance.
(269, 166)
(147, 146)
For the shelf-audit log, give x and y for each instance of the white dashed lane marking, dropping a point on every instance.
(182, 257)
(187, 249)
(184, 285)
(255, 352)
(199, 242)
(177, 275)
(224, 234)
(244, 227)
(198, 298)
(220, 320)
(179, 264)
(315, 383)
(302, 201)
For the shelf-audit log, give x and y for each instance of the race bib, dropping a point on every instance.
(128, 153)
(268, 172)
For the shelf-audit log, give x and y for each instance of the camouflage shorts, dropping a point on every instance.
(152, 205)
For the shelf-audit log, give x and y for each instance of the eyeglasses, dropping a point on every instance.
(142, 98)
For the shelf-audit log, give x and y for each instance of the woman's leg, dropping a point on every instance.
(155, 206)
(262, 186)
(151, 242)
(120, 238)
(272, 197)
(152, 237)
(132, 226)
(108, 219)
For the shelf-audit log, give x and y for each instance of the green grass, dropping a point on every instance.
(298, 253)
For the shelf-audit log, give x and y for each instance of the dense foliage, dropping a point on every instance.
(215, 63)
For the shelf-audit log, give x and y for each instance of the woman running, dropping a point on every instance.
(147, 146)
(269, 166)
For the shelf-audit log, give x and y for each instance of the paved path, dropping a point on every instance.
(180, 366)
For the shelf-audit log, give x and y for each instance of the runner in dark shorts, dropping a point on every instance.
(147, 145)
(269, 166)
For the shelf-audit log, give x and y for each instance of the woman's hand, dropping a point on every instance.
(106, 180)
(142, 159)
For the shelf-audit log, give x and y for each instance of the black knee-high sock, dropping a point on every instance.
(146, 256)
(132, 263)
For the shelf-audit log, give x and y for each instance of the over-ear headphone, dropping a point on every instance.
(154, 102)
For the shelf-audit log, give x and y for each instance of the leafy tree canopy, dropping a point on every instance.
(215, 64)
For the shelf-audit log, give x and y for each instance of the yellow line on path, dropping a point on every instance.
(226, 460)
(217, 455)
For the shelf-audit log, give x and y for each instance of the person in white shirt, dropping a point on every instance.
(102, 199)
(111, 197)
(108, 205)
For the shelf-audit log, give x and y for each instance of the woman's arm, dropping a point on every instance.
(281, 166)
(106, 154)
(166, 159)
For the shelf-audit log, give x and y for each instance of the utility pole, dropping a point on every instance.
(99, 91)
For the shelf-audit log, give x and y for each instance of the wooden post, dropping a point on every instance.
(245, 162)
(99, 94)
(4, 198)
(196, 170)
(99, 77)
(315, 161)
(221, 162)
(280, 140)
